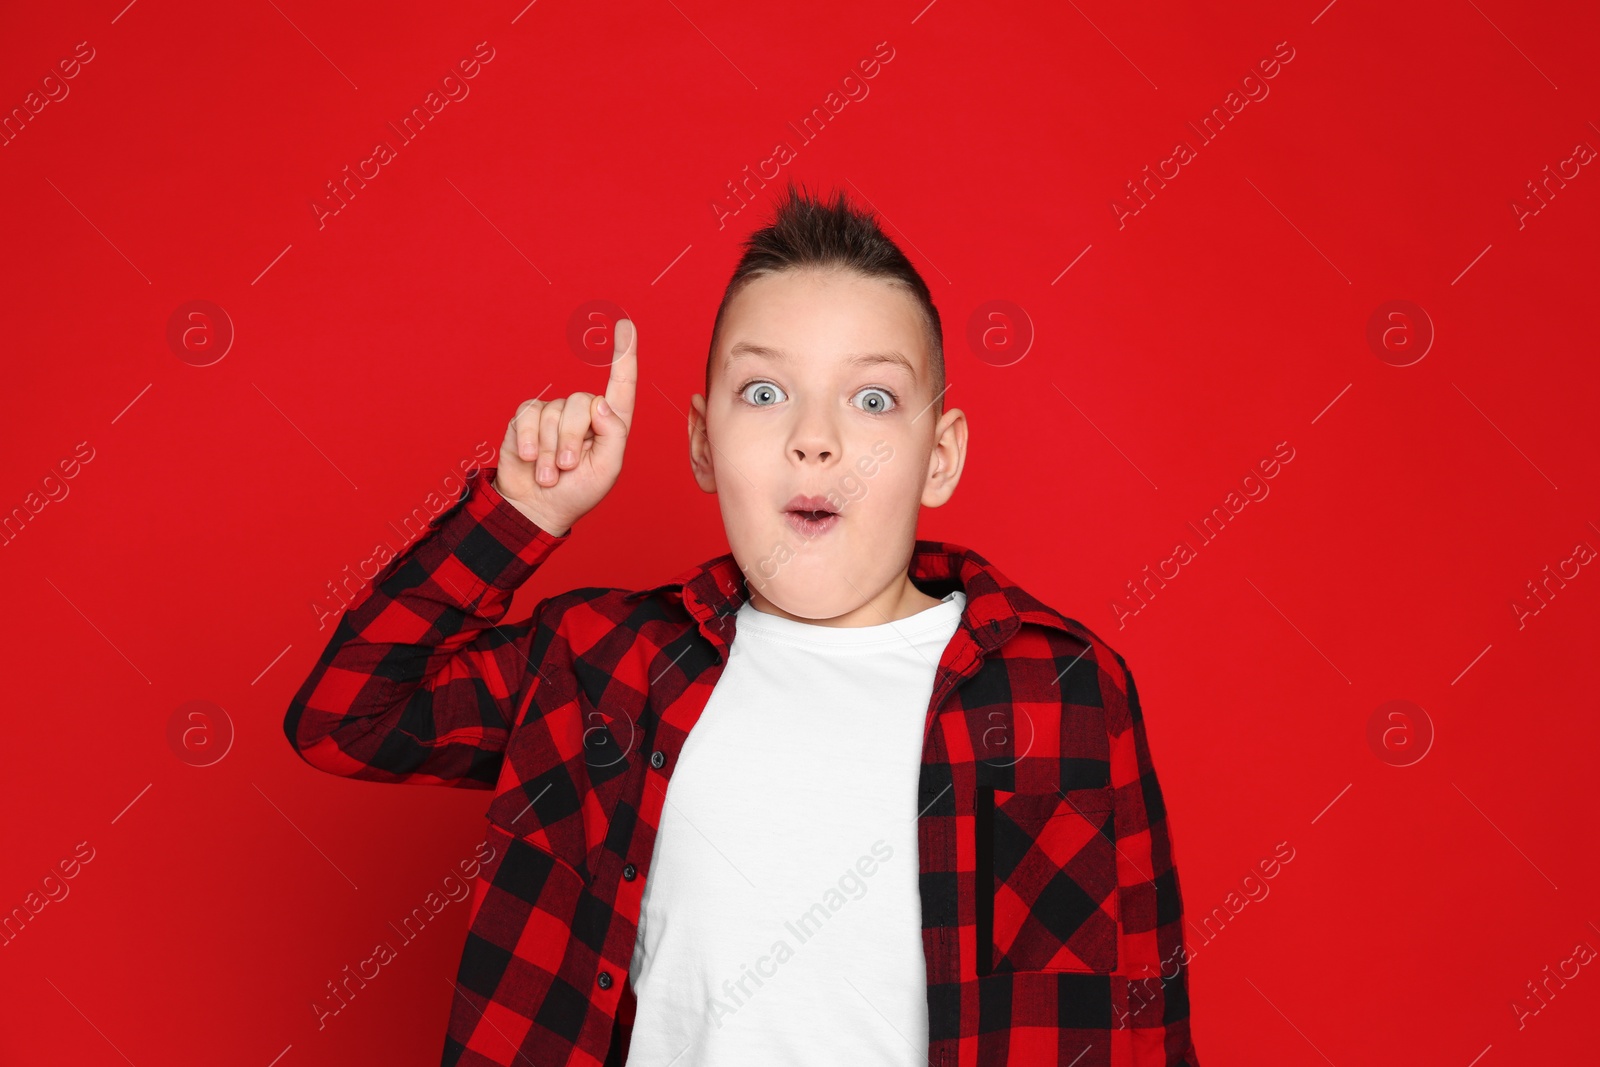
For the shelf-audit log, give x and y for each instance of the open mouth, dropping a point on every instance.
(810, 515)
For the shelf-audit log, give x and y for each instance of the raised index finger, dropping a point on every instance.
(622, 386)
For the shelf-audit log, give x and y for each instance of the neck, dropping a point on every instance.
(900, 599)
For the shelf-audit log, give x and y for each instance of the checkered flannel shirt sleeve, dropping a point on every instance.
(1153, 952)
(419, 683)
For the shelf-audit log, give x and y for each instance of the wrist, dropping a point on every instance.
(553, 527)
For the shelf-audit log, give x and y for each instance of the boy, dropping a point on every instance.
(916, 821)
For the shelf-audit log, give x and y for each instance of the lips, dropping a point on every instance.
(814, 507)
(810, 516)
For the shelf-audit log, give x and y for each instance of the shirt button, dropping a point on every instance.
(604, 979)
(629, 872)
(658, 759)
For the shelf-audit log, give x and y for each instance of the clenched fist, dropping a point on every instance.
(561, 457)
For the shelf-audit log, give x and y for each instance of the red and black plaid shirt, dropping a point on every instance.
(1052, 920)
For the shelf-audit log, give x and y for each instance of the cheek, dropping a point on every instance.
(746, 481)
(885, 473)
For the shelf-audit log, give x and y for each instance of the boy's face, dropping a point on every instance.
(795, 411)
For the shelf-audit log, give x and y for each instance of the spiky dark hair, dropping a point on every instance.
(807, 232)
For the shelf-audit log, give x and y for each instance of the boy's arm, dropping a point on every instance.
(418, 684)
(1152, 952)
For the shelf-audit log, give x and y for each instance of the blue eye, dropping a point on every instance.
(886, 400)
(771, 394)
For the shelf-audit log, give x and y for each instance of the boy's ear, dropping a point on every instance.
(699, 446)
(947, 459)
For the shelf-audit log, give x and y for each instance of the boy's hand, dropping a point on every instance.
(561, 457)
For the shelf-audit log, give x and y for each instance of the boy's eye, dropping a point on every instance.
(882, 402)
(878, 400)
(761, 394)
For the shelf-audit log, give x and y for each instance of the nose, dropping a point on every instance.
(814, 443)
(813, 437)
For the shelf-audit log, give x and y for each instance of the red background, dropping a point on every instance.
(374, 354)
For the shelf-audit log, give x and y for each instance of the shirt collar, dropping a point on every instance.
(996, 606)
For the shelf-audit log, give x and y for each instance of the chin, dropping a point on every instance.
(802, 579)
(803, 603)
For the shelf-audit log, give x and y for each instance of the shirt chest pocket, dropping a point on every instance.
(562, 774)
(1046, 881)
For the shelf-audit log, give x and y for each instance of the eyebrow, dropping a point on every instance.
(744, 349)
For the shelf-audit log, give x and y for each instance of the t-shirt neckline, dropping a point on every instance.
(751, 619)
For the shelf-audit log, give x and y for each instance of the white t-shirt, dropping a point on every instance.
(781, 923)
